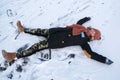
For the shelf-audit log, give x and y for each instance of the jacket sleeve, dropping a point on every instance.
(83, 20)
(93, 55)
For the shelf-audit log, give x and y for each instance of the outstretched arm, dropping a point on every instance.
(83, 20)
(93, 55)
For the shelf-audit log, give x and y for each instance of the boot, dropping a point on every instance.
(9, 56)
(20, 27)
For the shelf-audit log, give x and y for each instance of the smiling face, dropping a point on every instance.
(94, 33)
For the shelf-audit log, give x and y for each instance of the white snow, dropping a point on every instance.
(105, 15)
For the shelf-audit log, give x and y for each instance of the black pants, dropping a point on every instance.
(37, 46)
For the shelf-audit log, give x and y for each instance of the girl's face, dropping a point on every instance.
(91, 32)
(94, 34)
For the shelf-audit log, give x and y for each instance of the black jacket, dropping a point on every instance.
(62, 37)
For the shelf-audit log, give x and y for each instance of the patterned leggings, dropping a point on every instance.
(37, 46)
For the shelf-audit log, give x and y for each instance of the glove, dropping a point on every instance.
(108, 62)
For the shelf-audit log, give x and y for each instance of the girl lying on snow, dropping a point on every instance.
(59, 37)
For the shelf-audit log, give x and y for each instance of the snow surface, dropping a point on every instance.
(105, 16)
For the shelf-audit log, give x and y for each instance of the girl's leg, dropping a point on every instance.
(33, 49)
(38, 32)
(10, 56)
